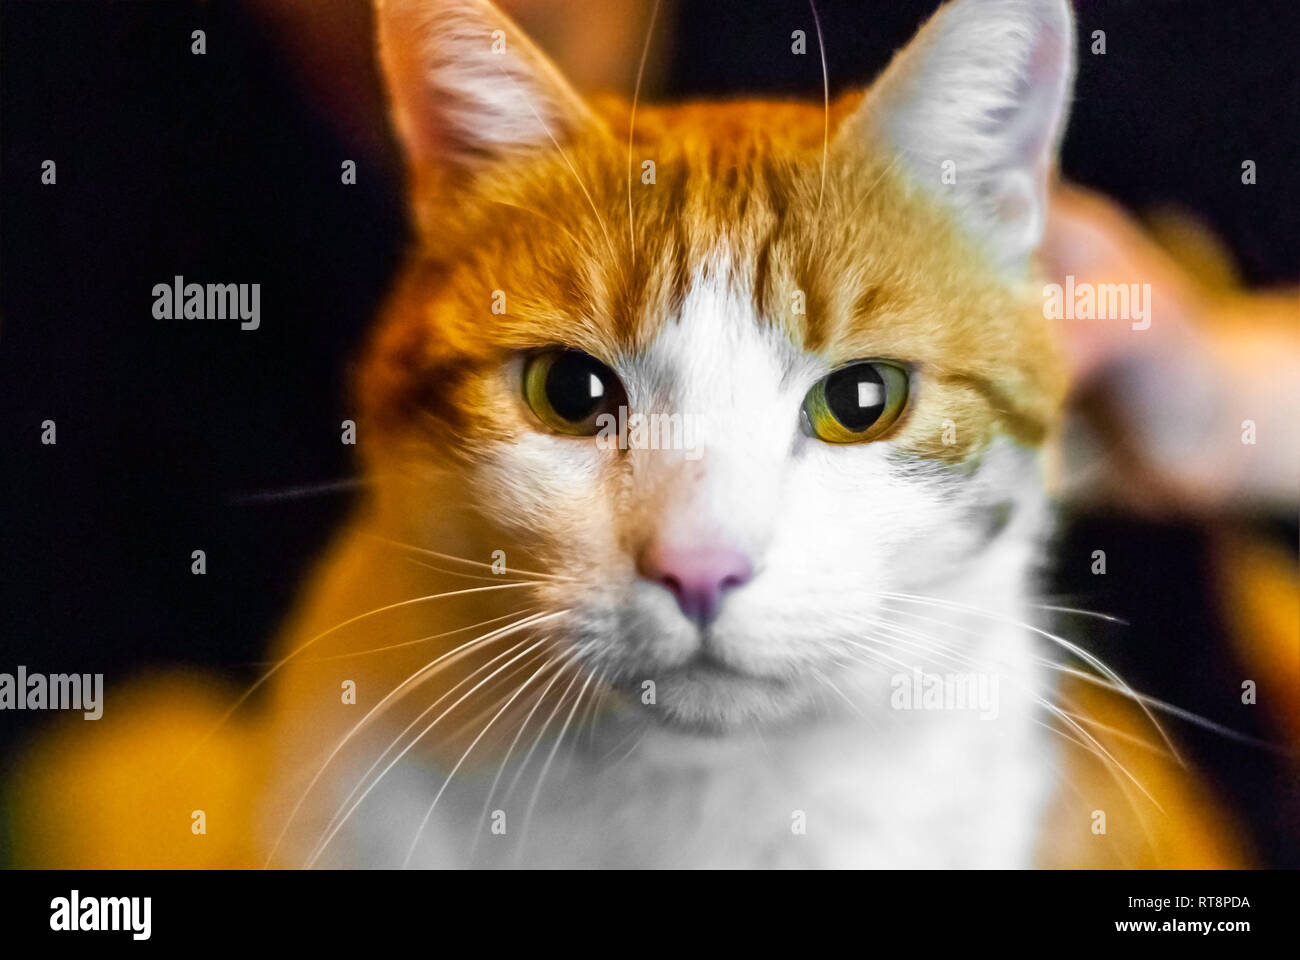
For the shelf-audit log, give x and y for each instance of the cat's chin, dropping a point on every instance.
(710, 700)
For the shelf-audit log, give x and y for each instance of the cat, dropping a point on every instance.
(810, 641)
(729, 584)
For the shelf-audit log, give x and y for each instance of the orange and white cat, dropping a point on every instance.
(807, 639)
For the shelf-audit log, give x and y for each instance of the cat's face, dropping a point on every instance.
(735, 381)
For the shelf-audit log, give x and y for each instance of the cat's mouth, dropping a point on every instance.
(703, 667)
(706, 695)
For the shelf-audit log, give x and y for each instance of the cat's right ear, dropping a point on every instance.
(468, 88)
(973, 108)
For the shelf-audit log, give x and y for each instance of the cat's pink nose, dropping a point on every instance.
(697, 576)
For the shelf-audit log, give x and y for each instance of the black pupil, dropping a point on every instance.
(856, 396)
(576, 386)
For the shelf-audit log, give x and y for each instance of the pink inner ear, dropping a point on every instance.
(467, 86)
(1047, 74)
(402, 48)
(982, 87)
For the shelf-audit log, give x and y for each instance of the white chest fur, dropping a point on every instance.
(918, 788)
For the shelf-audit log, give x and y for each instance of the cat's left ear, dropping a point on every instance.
(973, 108)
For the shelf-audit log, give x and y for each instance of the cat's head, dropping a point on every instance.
(825, 316)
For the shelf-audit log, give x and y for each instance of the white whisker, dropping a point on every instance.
(1074, 648)
(336, 826)
(541, 777)
(631, 127)
(445, 659)
(438, 796)
(473, 563)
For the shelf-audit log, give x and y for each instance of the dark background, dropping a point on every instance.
(180, 435)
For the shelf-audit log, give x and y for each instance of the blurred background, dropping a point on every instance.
(181, 436)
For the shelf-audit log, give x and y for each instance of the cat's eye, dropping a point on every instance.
(856, 403)
(568, 390)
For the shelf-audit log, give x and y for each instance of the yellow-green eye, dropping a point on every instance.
(569, 390)
(856, 403)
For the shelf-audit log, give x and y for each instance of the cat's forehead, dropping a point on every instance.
(605, 249)
(718, 133)
(746, 198)
(717, 347)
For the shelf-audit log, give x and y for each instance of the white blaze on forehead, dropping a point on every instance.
(718, 362)
(741, 382)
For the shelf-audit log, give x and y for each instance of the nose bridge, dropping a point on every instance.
(691, 546)
(721, 373)
(678, 490)
(687, 499)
